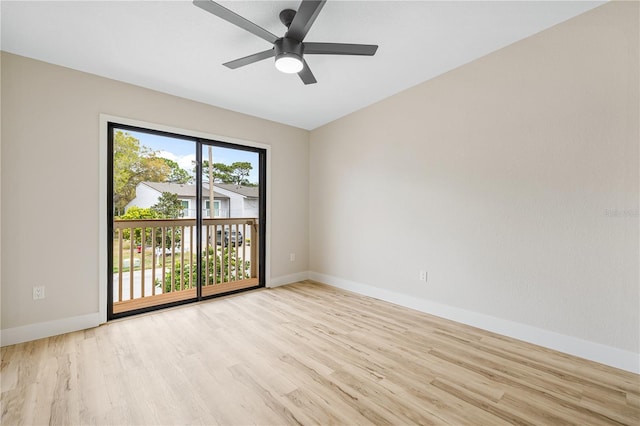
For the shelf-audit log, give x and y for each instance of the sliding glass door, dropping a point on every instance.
(230, 232)
(187, 219)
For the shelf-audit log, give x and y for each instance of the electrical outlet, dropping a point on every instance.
(38, 293)
(423, 276)
(292, 257)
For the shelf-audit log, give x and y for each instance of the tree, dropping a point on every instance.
(221, 172)
(137, 213)
(132, 164)
(177, 174)
(168, 206)
(237, 173)
(240, 171)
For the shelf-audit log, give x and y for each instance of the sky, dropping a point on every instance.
(183, 152)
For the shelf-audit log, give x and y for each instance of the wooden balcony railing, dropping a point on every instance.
(154, 260)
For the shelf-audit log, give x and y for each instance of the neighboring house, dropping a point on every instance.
(229, 200)
(243, 200)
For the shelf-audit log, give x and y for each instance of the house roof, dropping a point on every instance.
(247, 191)
(182, 190)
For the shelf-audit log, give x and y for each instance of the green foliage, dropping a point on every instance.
(220, 172)
(240, 171)
(232, 271)
(168, 206)
(237, 173)
(173, 236)
(137, 213)
(177, 174)
(132, 164)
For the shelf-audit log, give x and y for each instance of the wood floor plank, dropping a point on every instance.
(304, 354)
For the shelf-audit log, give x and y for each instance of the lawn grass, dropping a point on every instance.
(148, 257)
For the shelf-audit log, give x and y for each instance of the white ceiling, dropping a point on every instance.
(177, 48)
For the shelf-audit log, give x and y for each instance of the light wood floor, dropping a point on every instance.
(307, 354)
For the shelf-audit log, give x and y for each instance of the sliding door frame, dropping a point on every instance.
(108, 124)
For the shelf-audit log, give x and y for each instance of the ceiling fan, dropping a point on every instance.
(289, 50)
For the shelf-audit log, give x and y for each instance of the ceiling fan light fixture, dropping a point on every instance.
(288, 53)
(289, 63)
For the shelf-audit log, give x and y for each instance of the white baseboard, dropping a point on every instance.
(25, 333)
(12, 336)
(618, 358)
(288, 279)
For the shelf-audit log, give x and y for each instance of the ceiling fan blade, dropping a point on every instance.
(340, 49)
(249, 59)
(235, 19)
(306, 75)
(305, 16)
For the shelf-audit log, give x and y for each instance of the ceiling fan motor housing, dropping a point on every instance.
(288, 47)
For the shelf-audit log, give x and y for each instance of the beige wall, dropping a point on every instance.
(512, 180)
(0, 192)
(50, 182)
